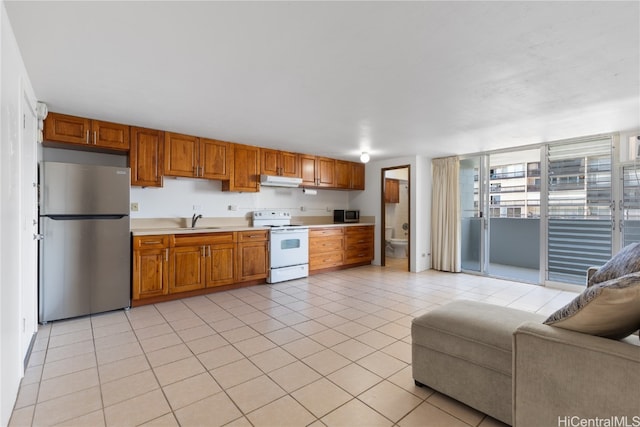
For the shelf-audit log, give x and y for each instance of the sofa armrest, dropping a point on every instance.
(559, 374)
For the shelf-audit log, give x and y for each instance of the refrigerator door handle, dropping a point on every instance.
(75, 217)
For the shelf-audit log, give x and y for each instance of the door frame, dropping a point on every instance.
(383, 214)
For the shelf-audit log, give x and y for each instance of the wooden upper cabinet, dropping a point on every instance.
(64, 128)
(269, 161)
(289, 164)
(325, 172)
(342, 174)
(86, 132)
(357, 176)
(110, 135)
(146, 157)
(308, 170)
(245, 173)
(317, 171)
(180, 155)
(281, 163)
(391, 190)
(215, 160)
(190, 156)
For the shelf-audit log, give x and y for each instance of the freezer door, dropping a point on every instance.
(74, 189)
(84, 267)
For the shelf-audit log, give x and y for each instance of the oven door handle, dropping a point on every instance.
(289, 231)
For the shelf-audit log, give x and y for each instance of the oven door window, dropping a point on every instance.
(290, 244)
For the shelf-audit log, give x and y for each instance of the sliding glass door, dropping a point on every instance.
(546, 214)
(472, 218)
(514, 215)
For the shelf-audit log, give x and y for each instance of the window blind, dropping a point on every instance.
(579, 210)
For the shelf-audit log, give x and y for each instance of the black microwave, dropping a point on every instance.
(346, 215)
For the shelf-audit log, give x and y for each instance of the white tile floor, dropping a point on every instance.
(332, 349)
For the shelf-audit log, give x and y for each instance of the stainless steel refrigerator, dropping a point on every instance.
(85, 245)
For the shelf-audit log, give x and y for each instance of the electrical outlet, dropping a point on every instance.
(328, 208)
(232, 207)
(134, 207)
(197, 207)
(303, 208)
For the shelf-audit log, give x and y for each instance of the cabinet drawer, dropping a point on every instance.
(358, 255)
(150, 242)
(203, 239)
(358, 239)
(361, 229)
(319, 261)
(359, 247)
(325, 244)
(329, 231)
(253, 236)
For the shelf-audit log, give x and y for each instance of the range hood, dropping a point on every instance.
(279, 181)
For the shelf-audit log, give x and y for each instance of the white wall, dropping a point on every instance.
(179, 196)
(14, 82)
(369, 203)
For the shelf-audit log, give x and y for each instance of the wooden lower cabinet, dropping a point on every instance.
(166, 266)
(358, 246)
(188, 267)
(150, 266)
(253, 255)
(221, 264)
(335, 247)
(326, 247)
(201, 261)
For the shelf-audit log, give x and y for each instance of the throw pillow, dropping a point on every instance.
(609, 309)
(624, 262)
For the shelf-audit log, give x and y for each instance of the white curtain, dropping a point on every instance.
(445, 215)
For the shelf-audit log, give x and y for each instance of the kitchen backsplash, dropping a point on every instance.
(182, 197)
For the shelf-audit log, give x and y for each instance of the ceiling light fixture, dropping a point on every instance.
(364, 157)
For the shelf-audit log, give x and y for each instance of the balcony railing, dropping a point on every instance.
(510, 189)
(507, 175)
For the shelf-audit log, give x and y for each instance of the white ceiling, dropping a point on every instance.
(335, 78)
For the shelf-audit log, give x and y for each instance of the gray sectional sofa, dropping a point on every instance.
(509, 365)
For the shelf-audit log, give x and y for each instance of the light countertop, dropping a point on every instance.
(222, 229)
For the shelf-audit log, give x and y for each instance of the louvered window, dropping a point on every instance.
(631, 204)
(579, 210)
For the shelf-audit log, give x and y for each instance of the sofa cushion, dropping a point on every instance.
(477, 332)
(609, 309)
(624, 262)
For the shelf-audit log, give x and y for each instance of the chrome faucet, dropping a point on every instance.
(195, 219)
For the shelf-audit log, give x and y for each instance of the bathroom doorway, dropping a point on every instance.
(395, 218)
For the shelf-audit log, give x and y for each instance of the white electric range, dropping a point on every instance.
(288, 245)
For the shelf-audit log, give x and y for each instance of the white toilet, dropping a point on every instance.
(396, 248)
